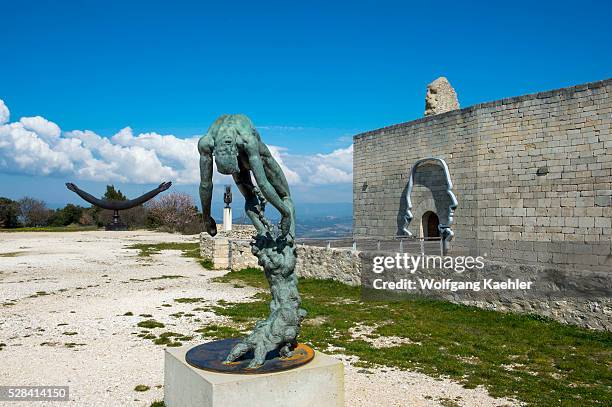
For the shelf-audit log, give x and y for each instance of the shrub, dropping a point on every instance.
(174, 212)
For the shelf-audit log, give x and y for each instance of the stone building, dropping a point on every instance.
(532, 175)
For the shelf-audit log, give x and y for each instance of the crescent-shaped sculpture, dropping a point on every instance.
(117, 206)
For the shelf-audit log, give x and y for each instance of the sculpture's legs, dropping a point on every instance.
(281, 328)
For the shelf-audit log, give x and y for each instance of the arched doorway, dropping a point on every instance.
(430, 224)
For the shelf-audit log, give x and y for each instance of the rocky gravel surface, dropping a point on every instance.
(70, 304)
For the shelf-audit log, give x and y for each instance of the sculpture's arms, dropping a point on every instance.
(206, 184)
(266, 187)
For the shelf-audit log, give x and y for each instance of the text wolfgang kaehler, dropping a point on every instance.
(455, 264)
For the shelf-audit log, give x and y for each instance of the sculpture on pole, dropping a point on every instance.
(239, 151)
(117, 206)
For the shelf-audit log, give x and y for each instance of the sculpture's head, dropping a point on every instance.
(227, 131)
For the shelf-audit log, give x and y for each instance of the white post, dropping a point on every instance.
(227, 219)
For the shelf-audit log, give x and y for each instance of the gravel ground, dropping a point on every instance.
(76, 334)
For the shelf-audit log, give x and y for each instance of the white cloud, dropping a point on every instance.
(37, 146)
(5, 114)
(292, 176)
(43, 127)
(323, 169)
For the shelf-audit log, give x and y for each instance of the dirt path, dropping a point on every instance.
(63, 298)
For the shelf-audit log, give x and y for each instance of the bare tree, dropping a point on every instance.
(33, 212)
(174, 212)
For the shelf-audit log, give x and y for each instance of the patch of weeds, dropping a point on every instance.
(70, 333)
(446, 402)
(141, 387)
(158, 404)
(73, 345)
(219, 332)
(187, 300)
(2, 346)
(207, 264)
(11, 254)
(177, 314)
(150, 323)
(167, 277)
(467, 344)
(191, 250)
(128, 314)
(145, 315)
(166, 305)
(167, 338)
(201, 309)
(38, 294)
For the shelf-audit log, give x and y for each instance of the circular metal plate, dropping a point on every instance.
(210, 356)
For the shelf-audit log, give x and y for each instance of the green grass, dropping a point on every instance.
(166, 338)
(11, 254)
(73, 345)
(52, 229)
(219, 332)
(187, 300)
(158, 404)
(141, 387)
(528, 358)
(191, 250)
(150, 324)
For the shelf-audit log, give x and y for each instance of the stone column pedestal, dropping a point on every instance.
(319, 383)
(227, 219)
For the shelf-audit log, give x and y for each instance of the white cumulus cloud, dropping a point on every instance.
(37, 146)
(4, 112)
(323, 169)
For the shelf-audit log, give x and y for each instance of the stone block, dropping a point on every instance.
(319, 383)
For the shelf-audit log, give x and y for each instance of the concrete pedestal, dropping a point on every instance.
(227, 219)
(319, 383)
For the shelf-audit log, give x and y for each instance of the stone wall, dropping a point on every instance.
(312, 261)
(532, 174)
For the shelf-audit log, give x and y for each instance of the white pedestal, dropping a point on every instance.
(319, 383)
(227, 219)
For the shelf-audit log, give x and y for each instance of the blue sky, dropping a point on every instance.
(309, 74)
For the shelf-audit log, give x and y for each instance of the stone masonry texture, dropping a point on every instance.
(532, 174)
(533, 178)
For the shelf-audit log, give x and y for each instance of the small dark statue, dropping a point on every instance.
(227, 196)
(239, 151)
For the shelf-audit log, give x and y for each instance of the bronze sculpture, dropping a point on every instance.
(117, 206)
(239, 151)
